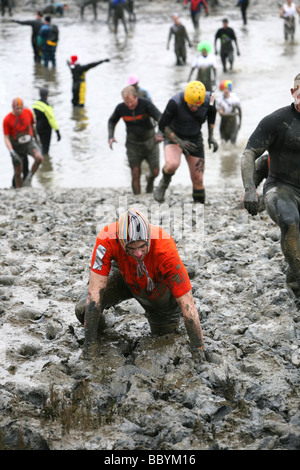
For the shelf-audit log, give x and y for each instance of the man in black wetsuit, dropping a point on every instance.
(78, 74)
(181, 37)
(227, 37)
(36, 26)
(279, 134)
(181, 125)
(141, 140)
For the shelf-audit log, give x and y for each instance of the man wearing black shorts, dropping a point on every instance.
(181, 124)
(141, 141)
(279, 134)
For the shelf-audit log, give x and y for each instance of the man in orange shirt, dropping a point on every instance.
(149, 269)
(20, 139)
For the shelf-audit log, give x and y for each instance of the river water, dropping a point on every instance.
(262, 77)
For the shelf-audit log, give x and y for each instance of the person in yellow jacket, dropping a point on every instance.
(45, 120)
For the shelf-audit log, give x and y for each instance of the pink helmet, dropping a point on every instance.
(133, 80)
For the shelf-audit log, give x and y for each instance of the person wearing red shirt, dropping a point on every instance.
(134, 259)
(19, 138)
(195, 8)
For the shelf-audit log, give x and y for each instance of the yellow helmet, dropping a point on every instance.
(195, 93)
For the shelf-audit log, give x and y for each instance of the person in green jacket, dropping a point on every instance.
(45, 120)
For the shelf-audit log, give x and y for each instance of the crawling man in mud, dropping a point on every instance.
(279, 134)
(135, 259)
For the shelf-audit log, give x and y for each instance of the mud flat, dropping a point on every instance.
(145, 392)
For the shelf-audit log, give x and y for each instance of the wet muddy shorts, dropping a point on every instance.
(25, 149)
(198, 142)
(146, 150)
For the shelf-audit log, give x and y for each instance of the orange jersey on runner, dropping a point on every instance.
(163, 262)
(15, 126)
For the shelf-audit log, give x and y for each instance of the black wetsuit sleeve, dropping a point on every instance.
(153, 111)
(26, 23)
(91, 65)
(211, 114)
(113, 121)
(263, 136)
(168, 114)
(218, 35)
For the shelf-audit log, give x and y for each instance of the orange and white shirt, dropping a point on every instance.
(163, 262)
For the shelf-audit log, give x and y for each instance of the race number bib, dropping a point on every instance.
(24, 139)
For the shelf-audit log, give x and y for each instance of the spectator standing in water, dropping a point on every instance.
(180, 38)
(36, 26)
(78, 75)
(45, 120)
(49, 35)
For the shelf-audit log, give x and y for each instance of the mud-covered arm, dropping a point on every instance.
(191, 320)
(93, 309)
(154, 111)
(248, 168)
(187, 147)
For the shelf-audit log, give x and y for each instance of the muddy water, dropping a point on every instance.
(262, 77)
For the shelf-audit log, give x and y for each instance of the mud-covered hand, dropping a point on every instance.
(90, 351)
(15, 158)
(251, 201)
(212, 142)
(188, 147)
(198, 355)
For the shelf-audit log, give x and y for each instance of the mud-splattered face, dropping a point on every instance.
(137, 250)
